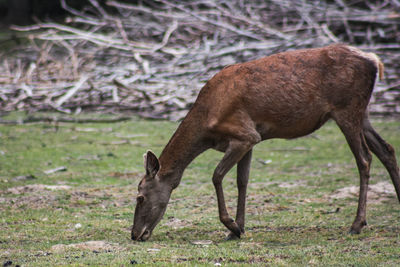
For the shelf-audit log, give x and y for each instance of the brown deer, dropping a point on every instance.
(286, 95)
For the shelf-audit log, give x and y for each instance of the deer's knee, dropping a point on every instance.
(217, 177)
(365, 159)
(364, 165)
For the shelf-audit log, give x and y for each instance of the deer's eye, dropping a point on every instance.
(140, 199)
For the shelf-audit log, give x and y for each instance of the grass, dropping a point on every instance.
(291, 218)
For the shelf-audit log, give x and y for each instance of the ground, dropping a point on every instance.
(67, 196)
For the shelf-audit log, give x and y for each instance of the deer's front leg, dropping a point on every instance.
(243, 171)
(233, 154)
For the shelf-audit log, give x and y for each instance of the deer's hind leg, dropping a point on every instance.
(384, 152)
(351, 126)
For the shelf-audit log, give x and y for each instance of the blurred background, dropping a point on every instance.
(151, 58)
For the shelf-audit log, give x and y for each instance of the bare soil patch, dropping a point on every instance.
(36, 188)
(379, 192)
(35, 195)
(177, 223)
(97, 246)
(38, 196)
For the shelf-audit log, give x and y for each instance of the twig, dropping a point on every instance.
(216, 23)
(122, 85)
(98, 39)
(72, 91)
(167, 34)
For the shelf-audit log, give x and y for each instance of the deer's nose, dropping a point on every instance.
(134, 234)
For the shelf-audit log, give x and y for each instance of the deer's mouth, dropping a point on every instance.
(142, 236)
(145, 235)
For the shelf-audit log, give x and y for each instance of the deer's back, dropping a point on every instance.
(289, 94)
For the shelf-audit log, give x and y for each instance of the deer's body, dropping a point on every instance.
(286, 95)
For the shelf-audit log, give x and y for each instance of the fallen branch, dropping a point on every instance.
(152, 58)
(122, 85)
(72, 91)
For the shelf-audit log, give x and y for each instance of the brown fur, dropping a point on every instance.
(286, 95)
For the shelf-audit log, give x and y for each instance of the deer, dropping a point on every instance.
(285, 95)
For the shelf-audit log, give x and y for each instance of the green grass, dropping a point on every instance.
(291, 218)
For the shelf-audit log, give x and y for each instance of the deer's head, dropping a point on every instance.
(152, 199)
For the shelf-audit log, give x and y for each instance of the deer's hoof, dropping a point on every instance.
(235, 230)
(231, 236)
(356, 227)
(231, 225)
(354, 231)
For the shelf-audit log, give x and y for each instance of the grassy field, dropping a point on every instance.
(301, 201)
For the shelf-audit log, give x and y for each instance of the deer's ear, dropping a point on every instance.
(151, 164)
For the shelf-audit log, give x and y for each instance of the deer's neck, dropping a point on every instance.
(185, 145)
